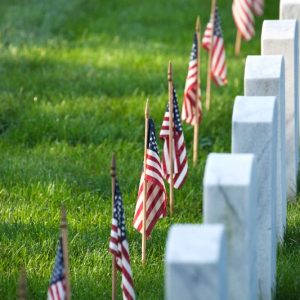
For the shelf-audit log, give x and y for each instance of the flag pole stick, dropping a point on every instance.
(238, 39)
(22, 285)
(208, 86)
(196, 126)
(114, 265)
(64, 235)
(145, 185)
(171, 131)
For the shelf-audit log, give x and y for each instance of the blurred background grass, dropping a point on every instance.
(74, 76)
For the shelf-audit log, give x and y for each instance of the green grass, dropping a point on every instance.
(74, 76)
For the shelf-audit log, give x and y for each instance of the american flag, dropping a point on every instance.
(243, 18)
(258, 7)
(218, 64)
(190, 90)
(156, 192)
(179, 151)
(57, 287)
(118, 245)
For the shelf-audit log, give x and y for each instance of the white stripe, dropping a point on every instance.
(148, 204)
(156, 208)
(54, 293)
(182, 155)
(113, 246)
(113, 233)
(181, 176)
(154, 164)
(61, 290)
(128, 287)
(217, 52)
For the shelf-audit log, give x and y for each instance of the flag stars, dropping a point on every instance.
(119, 211)
(217, 24)
(152, 145)
(177, 122)
(194, 53)
(58, 272)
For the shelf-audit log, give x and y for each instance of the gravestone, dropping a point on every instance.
(264, 76)
(230, 198)
(195, 263)
(290, 9)
(254, 130)
(281, 37)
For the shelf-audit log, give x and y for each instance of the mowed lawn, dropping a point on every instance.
(74, 77)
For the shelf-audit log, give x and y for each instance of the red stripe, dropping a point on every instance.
(160, 212)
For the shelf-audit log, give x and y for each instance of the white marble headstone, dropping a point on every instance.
(254, 130)
(264, 76)
(230, 198)
(290, 9)
(195, 263)
(281, 37)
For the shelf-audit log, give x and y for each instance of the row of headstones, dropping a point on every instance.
(233, 254)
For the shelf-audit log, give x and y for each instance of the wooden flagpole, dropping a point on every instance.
(114, 264)
(145, 185)
(196, 126)
(22, 285)
(238, 40)
(208, 86)
(171, 131)
(64, 235)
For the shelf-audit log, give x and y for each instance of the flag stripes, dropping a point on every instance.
(57, 287)
(118, 245)
(156, 193)
(218, 64)
(243, 18)
(190, 91)
(258, 7)
(179, 151)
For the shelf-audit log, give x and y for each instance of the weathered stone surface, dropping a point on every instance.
(196, 263)
(230, 198)
(281, 37)
(264, 76)
(254, 130)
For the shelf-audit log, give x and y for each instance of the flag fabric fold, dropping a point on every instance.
(190, 91)
(218, 62)
(156, 192)
(119, 247)
(242, 11)
(180, 162)
(57, 286)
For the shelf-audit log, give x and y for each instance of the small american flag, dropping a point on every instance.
(179, 151)
(190, 90)
(57, 287)
(258, 7)
(156, 192)
(218, 64)
(118, 245)
(243, 18)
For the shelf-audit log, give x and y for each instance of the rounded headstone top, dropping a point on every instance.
(228, 169)
(254, 109)
(279, 29)
(195, 244)
(264, 66)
